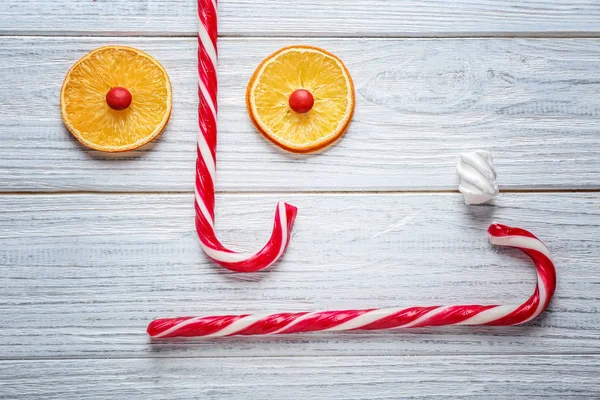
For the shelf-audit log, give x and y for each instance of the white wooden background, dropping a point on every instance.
(93, 246)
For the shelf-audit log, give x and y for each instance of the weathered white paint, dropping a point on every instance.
(349, 377)
(533, 102)
(82, 275)
(304, 17)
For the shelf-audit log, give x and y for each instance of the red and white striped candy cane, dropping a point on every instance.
(206, 162)
(375, 319)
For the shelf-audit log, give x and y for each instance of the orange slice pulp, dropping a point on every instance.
(116, 98)
(301, 98)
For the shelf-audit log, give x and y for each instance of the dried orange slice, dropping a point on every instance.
(301, 98)
(116, 98)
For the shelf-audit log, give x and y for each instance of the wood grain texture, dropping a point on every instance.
(303, 17)
(533, 102)
(82, 275)
(456, 377)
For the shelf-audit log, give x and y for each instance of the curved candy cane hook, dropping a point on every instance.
(206, 163)
(375, 319)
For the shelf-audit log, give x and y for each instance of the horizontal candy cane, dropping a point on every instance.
(376, 319)
(206, 163)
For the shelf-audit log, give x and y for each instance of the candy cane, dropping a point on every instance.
(206, 163)
(376, 319)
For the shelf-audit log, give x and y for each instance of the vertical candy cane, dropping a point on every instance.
(388, 318)
(206, 163)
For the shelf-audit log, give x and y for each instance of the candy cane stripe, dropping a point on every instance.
(387, 318)
(205, 96)
(204, 196)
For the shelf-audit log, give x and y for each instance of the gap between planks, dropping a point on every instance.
(301, 192)
(320, 35)
(354, 355)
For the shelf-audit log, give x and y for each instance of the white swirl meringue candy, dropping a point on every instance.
(477, 177)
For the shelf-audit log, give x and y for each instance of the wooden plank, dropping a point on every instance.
(304, 17)
(351, 377)
(82, 275)
(533, 103)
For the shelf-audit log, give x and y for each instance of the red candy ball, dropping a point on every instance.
(118, 98)
(301, 101)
